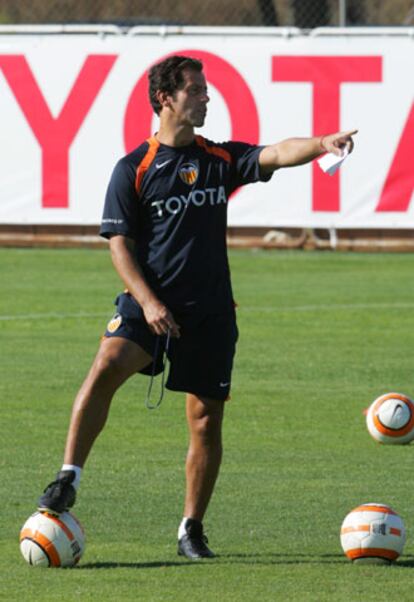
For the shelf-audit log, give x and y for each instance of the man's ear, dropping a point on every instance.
(163, 98)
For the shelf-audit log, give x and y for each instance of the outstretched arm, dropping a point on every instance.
(297, 151)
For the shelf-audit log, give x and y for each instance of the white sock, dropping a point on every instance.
(78, 472)
(181, 528)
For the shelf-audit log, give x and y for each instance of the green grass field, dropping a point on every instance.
(322, 335)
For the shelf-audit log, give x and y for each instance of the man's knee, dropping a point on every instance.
(108, 365)
(117, 359)
(205, 417)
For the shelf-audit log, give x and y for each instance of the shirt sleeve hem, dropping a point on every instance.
(105, 233)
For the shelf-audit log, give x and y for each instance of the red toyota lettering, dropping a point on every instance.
(55, 134)
(326, 74)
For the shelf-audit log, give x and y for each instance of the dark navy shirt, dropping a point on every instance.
(173, 203)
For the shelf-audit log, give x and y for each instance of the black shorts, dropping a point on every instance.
(201, 360)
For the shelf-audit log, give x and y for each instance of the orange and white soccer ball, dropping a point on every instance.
(52, 541)
(373, 533)
(390, 419)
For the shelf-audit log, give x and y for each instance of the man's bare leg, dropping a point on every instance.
(117, 359)
(204, 417)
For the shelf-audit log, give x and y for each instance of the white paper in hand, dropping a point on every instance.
(330, 163)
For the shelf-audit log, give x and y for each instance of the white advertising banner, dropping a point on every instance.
(72, 105)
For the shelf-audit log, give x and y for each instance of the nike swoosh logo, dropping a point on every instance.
(224, 384)
(159, 165)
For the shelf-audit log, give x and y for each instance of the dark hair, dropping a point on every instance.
(167, 76)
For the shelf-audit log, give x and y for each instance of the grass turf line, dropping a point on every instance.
(321, 335)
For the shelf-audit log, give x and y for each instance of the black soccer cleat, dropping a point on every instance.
(193, 544)
(60, 495)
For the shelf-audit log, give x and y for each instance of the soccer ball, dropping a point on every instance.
(48, 540)
(373, 533)
(390, 419)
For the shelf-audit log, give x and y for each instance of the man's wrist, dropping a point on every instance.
(148, 300)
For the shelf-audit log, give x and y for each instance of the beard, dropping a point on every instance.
(198, 118)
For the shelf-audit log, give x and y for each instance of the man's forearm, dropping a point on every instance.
(297, 151)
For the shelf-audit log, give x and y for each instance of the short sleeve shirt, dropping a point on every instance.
(172, 201)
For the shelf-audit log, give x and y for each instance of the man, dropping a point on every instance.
(165, 218)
